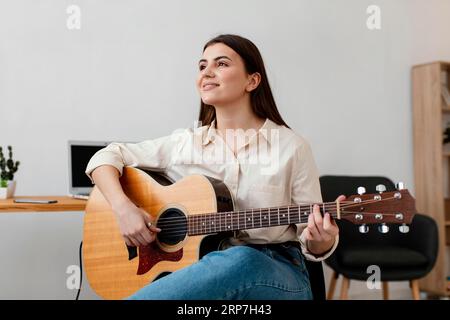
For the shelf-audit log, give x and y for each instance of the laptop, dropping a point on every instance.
(80, 152)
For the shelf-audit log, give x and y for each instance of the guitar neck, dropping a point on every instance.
(208, 223)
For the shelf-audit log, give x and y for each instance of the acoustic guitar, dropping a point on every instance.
(193, 214)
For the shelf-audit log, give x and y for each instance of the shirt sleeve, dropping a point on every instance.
(306, 189)
(149, 154)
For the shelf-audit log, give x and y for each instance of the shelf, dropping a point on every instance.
(430, 111)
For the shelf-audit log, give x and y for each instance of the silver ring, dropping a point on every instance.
(149, 224)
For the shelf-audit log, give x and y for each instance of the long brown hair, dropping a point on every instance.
(261, 99)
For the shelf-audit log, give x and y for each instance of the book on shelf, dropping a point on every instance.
(444, 88)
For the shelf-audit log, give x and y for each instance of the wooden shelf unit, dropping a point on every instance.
(432, 164)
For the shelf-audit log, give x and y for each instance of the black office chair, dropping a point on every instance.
(400, 256)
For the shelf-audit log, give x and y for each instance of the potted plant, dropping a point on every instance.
(7, 170)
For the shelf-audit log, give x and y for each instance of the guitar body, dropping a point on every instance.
(116, 271)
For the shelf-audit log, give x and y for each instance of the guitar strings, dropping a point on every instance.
(174, 228)
(242, 214)
(329, 205)
(213, 229)
(282, 209)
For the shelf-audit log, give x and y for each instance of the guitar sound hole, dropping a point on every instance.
(173, 225)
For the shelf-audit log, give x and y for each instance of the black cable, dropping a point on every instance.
(81, 270)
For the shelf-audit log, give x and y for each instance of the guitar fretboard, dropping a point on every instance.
(208, 223)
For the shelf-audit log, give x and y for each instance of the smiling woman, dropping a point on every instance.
(257, 263)
(233, 67)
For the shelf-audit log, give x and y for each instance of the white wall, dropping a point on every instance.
(128, 75)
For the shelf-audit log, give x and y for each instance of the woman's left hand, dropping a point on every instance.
(321, 231)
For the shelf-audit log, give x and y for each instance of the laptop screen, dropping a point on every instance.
(79, 155)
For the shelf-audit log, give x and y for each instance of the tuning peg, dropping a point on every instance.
(400, 185)
(361, 190)
(380, 188)
(404, 228)
(364, 228)
(383, 228)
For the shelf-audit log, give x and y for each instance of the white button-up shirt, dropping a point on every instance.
(269, 167)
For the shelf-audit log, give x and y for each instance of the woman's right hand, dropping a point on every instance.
(133, 223)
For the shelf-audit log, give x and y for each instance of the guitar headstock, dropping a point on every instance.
(394, 207)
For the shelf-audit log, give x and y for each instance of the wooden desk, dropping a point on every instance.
(64, 204)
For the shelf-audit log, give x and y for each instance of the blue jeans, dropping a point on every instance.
(237, 273)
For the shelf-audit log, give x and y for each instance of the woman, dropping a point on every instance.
(240, 120)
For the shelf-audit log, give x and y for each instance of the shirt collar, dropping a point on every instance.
(264, 131)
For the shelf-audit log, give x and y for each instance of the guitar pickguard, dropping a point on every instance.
(151, 254)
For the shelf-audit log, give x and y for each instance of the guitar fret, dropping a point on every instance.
(231, 221)
(225, 226)
(283, 218)
(253, 218)
(289, 217)
(230, 226)
(203, 224)
(225, 222)
(260, 220)
(194, 222)
(255, 222)
(278, 215)
(245, 219)
(295, 216)
(210, 223)
(263, 218)
(238, 216)
(189, 225)
(196, 225)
